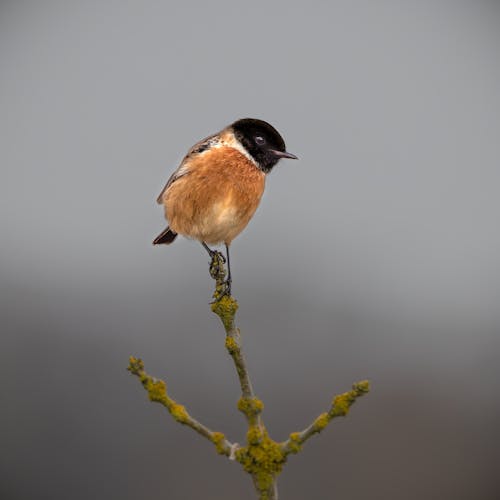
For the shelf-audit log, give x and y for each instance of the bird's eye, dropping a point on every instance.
(260, 141)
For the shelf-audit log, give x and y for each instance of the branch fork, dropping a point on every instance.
(262, 457)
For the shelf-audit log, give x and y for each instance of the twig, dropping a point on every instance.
(157, 391)
(225, 307)
(339, 408)
(262, 457)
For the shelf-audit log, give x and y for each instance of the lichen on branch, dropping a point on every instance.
(339, 408)
(157, 392)
(262, 457)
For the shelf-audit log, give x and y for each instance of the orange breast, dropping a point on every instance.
(217, 198)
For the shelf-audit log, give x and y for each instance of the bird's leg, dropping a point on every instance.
(213, 252)
(229, 278)
(218, 273)
(217, 262)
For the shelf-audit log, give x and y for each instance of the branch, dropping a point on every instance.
(339, 408)
(157, 391)
(262, 457)
(225, 306)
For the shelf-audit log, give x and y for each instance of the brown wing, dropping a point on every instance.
(183, 168)
(178, 173)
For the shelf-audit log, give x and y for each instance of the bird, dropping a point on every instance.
(217, 187)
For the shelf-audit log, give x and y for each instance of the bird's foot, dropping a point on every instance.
(222, 289)
(226, 288)
(217, 271)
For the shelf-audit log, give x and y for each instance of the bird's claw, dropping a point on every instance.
(217, 271)
(222, 289)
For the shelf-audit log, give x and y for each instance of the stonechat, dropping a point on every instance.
(216, 189)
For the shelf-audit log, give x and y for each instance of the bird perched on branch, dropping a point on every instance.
(216, 189)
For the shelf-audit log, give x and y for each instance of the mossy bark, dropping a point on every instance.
(262, 457)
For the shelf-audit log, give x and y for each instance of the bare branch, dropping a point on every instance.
(225, 307)
(339, 408)
(262, 457)
(157, 391)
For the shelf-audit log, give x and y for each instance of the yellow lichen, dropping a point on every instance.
(262, 457)
(178, 412)
(264, 460)
(250, 406)
(231, 345)
(362, 387)
(157, 390)
(294, 445)
(135, 366)
(254, 434)
(321, 422)
(219, 440)
(225, 308)
(342, 403)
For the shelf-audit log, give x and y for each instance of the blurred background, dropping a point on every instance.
(376, 255)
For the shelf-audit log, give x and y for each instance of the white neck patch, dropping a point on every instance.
(228, 139)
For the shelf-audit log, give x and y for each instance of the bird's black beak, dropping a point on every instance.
(283, 154)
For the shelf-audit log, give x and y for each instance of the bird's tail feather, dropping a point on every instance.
(166, 237)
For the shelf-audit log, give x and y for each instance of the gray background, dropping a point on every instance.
(374, 256)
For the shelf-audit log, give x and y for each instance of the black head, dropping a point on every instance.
(262, 141)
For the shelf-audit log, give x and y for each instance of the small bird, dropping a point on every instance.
(216, 189)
